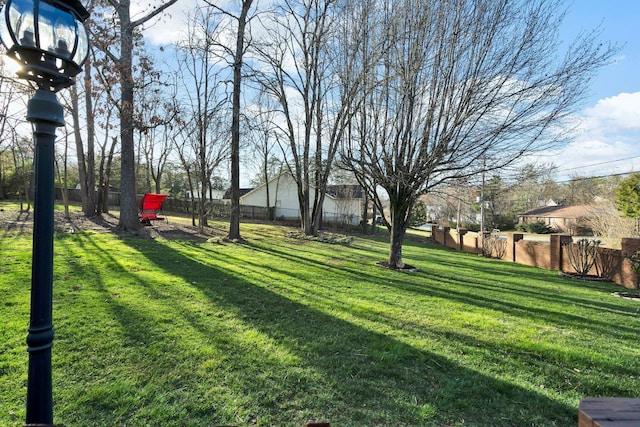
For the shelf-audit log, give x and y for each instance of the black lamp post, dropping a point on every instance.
(48, 39)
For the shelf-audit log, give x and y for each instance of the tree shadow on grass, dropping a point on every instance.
(306, 364)
(561, 307)
(556, 312)
(16, 223)
(516, 279)
(502, 292)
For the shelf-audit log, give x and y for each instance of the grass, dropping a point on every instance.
(283, 331)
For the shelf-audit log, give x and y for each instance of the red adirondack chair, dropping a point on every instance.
(150, 207)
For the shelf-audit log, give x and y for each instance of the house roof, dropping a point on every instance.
(345, 191)
(558, 212)
(243, 191)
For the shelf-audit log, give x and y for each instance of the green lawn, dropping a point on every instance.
(280, 332)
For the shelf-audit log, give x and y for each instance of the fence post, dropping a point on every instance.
(445, 235)
(461, 233)
(512, 240)
(556, 255)
(629, 245)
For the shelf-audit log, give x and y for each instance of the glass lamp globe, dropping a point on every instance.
(46, 37)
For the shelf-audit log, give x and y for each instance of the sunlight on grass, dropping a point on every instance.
(283, 331)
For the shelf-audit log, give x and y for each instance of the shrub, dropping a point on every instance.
(634, 259)
(582, 255)
(538, 227)
(471, 226)
(494, 246)
(501, 222)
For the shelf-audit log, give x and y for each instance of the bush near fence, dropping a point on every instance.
(612, 263)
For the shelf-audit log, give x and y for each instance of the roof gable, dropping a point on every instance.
(558, 211)
(345, 191)
(243, 191)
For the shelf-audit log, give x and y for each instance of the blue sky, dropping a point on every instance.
(609, 138)
(620, 23)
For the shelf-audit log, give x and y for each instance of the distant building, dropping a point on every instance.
(227, 194)
(565, 219)
(342, 203)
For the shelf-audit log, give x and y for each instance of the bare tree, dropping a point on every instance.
(158, 162)
(202, 146)
(463, 81)
(236, 53)
(263, 143)
(86, 160)
(10, 118)
(101, 102)
(63, 176)
(605, 221)
(23, 158)
(156, 116)
(92, 207)
(97, 93)
(313, 75)
(123, 59)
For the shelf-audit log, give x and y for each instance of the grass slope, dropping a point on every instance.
(283, 331)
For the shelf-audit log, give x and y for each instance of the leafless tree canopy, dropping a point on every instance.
(463, 85)
(309, 68)
(203, 144)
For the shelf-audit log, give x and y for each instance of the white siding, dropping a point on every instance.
(283, 194)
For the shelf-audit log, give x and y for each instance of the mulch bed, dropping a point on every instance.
(406, 268)
(587, 277)
(627, 295)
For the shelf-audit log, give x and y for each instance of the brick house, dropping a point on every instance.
(565, 219)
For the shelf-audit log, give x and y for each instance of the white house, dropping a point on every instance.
(342, 203)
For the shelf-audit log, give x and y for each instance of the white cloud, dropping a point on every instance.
(608, 141)
(169, 26)
(618, 113)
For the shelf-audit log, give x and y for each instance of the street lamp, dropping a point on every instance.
(48, 39)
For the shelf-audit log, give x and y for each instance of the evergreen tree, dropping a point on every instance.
(628, 198)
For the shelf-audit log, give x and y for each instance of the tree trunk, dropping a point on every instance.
(365, 211)
(275, 203)
(374, 226)
(305, 211)
(234, 221)
(91, 208)
(63, 177)
(157, 182)
(102, 194)
(395, 251)
(202, 201)
(82, 171)
(401, 205)
(317, 213)
(1, 180)
(265, 173)
(128, 201)
(107, 175)
(398, 231)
